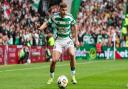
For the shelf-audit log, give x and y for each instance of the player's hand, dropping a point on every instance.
(77, 43)
(39, 28)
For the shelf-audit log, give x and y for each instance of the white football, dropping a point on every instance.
(62, 82)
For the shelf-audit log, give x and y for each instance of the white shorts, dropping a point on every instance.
(63, 43)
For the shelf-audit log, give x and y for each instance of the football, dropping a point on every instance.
(62, 82)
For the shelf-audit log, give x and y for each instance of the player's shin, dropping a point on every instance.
(73, 72)
(72, 65)
(52, 69)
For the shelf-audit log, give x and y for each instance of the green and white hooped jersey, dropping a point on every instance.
(63, 25)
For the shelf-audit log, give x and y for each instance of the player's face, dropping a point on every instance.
(63, 11)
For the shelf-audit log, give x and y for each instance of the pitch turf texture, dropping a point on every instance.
(104, 74)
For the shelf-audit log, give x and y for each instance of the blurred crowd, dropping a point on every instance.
(99, 20)
(21, 26)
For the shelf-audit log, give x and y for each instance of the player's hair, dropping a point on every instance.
(63, 5)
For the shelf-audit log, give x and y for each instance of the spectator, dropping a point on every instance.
(24, 55)
(99, 48)
(100, 18)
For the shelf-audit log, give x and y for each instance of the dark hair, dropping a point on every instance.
(63, 5)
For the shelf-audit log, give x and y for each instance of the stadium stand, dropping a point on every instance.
(19, 21)
(98, 20)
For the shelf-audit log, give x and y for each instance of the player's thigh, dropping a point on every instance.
(71, 51)
(57, 50)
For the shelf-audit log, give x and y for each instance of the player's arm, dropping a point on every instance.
(74, 28)
(75, 31)
(47, 23)
(43, 26)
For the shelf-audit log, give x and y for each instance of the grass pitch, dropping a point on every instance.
(103, 74)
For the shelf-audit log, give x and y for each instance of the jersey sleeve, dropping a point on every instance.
(50, 20)
(73, 22)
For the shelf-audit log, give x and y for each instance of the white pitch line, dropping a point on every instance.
(48, 66)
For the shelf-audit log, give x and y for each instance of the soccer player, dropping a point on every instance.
(64, 23)
(23, 55)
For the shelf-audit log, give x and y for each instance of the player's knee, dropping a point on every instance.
(72, 55)
(53, 60)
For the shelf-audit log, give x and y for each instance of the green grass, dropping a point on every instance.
(102, 74)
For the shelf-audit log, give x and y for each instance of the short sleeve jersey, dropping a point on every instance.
(63, 25)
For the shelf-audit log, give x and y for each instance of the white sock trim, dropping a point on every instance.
(52, 75)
